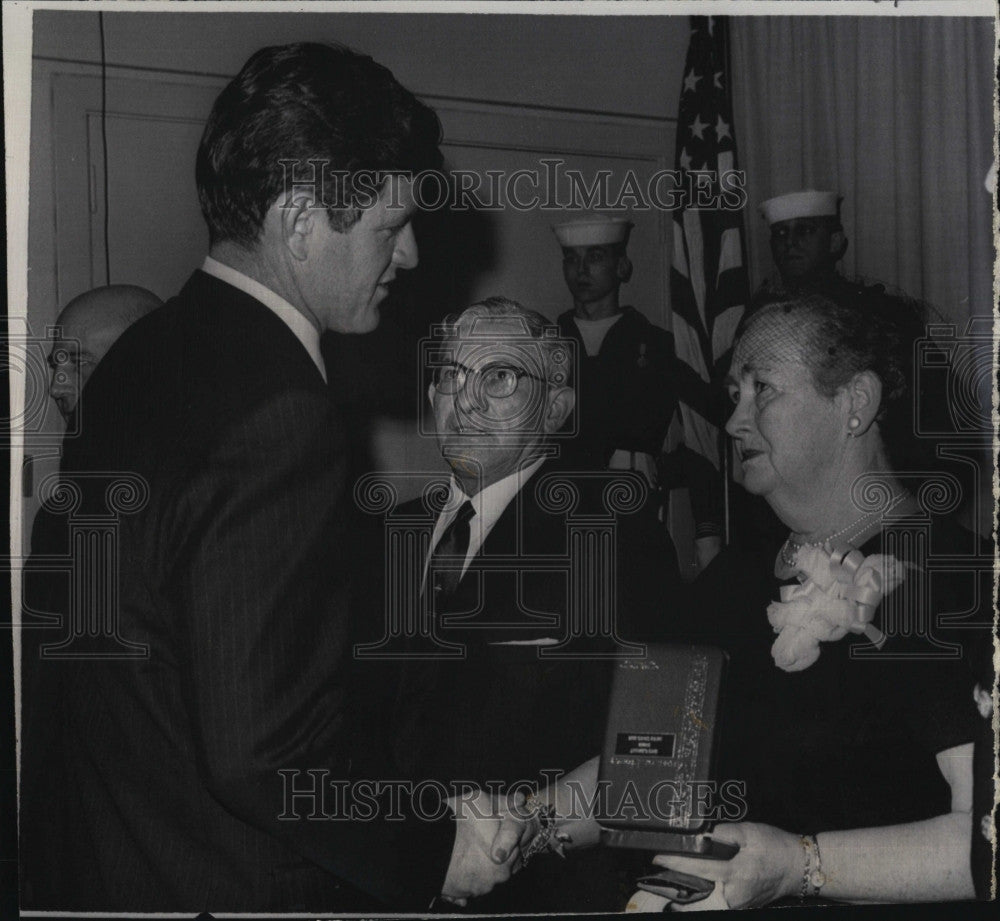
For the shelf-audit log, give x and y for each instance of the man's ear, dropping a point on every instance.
(864, 394)
(838, 244)
(561, 403)
(431, 390)
(294, 216)
(624, 269)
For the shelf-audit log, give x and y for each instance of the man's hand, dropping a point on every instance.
(488, 841)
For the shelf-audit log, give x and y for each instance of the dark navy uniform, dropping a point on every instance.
(627, 395)
(837, 287)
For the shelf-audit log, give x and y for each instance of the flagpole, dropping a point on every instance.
(709, 287)
(727, 535)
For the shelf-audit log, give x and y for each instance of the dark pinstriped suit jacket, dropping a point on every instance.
(234, 575)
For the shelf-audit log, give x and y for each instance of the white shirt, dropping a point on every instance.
(487, 506)
(294, 319)
(593, 331)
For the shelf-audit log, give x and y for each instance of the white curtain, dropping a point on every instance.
(896, 114)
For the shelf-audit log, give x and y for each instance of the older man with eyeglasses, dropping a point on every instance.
(538, 622)
(499, 395)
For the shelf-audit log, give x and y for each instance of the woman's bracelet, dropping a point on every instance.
(547, 838)
(813, 878)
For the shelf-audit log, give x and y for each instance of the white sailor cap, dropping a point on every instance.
(593, 230)
(807, 203)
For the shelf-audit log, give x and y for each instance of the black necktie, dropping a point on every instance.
(448, 557)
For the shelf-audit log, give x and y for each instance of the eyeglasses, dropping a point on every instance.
(497, 380)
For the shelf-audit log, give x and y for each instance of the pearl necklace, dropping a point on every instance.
(791, 547)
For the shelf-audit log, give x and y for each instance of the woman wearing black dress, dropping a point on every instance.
(848, 715)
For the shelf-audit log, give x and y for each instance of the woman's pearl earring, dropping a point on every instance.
(852, 424)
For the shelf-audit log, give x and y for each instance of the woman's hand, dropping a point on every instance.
(768, 867)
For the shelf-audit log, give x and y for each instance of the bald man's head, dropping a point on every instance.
(85, 329)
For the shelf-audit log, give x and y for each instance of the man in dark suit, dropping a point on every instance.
(84, 331)
(205, 683)
(537, 578)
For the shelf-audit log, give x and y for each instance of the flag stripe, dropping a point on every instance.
(725, 326)
(696, 350)
(680, 257)
(708, 283)
(696, 255)
(688, 338)
(730, 256)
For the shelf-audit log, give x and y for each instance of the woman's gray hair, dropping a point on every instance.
(861, 329)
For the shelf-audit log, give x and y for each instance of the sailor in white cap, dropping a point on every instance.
(807, 242)
(629, 378)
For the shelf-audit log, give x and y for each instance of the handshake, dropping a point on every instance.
(494, 838)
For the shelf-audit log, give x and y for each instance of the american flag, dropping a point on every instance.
(709, 287)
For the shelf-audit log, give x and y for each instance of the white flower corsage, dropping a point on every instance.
(839, 592)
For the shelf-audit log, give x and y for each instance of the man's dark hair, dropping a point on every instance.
(306, 102)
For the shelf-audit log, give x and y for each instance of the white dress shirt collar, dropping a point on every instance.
(301, 328)
(488, 505)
